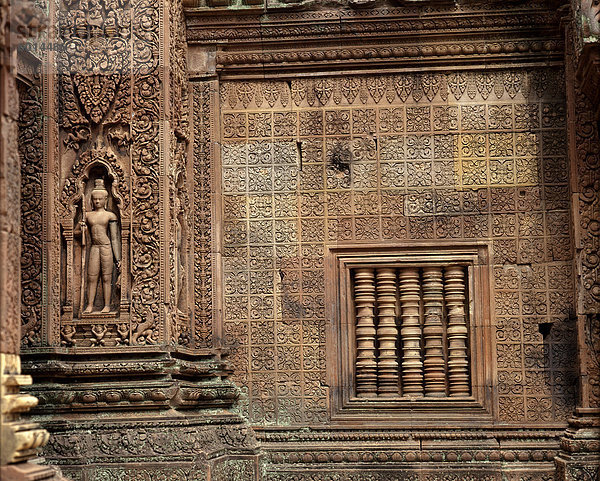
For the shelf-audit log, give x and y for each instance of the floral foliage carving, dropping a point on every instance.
(146, 261)
(72, 189)
(588, 171)
(94, 68)
(31, 155)
(586, 186)
(203, 281)
(109, 85)
(592, 334)
(180, 208)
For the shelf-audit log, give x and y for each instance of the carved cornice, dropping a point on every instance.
(376, 38)
(141, 381)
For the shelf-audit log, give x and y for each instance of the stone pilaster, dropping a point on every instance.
(123, 363)
(579, 457)
(19, 439)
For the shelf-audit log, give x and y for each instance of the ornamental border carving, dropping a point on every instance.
(72, 191)
(283, 42)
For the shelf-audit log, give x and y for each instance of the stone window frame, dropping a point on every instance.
(345, 408)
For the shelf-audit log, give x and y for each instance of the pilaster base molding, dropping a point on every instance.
(579, 458)
(19, 440)
(139, 380)
(207, 445)
(146, 414)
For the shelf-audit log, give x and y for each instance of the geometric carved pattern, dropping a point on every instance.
(394, 159)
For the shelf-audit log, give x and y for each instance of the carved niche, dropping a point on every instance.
(95, 246)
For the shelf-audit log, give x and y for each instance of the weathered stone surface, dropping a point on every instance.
(340, 240)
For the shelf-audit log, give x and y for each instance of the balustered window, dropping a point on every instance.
(411, 330)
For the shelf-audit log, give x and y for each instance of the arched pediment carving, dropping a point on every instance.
(73, 188)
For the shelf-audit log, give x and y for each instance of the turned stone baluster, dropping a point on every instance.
(366, 364)
(387, 332)
(412, 365)
(433, 332)
(458, 365)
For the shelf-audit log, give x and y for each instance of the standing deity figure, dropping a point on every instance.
(104, 248)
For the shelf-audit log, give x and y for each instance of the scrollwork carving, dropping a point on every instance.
(30, 151)
(147, 260)
(203, 281)
(94, 70)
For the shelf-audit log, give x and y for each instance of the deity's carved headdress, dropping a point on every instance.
(99, 186)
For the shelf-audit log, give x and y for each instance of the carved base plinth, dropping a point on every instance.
(144, 415)
(166, 445)
(579, 458)
(19, 440)
(143, 380)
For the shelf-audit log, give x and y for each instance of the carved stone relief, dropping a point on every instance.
(94, 69)
(94, 215)
(111, 100)
(154, 248)
(100, 230)
(203, 219)
(385, 159)
(30, 151)
(179, 185)
(587, 215)
(147, 261)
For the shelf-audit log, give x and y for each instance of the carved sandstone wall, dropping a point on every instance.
(313, 163)
(126, 385)
(369, 135)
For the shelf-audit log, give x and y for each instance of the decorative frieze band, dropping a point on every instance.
(374, 38)
(404, 56)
